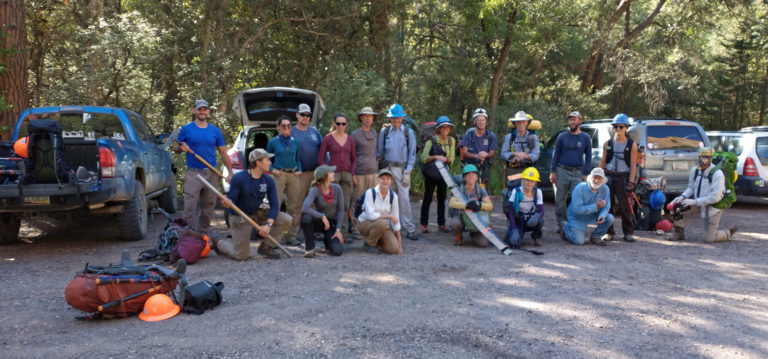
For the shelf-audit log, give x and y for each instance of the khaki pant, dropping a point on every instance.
(377, 233)
(289, 183)
(712, 233)
(305, 183)
(364, 182)
(344, 179)
(196, 194)
(457, 228)
(239, 246)
(403, 199)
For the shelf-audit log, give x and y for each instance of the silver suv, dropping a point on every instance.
(668, 147)
(751, 145)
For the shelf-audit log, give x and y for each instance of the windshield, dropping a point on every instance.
(85, 126)
(671, 136)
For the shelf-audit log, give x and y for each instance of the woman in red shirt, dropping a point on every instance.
(341, 150)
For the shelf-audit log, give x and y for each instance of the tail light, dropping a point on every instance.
(234, 157)
(749, 168)
(107, 162)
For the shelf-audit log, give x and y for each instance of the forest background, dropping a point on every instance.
(705, 61)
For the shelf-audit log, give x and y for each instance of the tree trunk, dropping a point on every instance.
(763, 99)
(597, 46)
(493, 99)
(13, 81)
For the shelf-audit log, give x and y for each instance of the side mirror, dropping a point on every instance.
(161, 138)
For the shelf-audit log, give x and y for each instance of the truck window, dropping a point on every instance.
(88, 126)
(671, 136)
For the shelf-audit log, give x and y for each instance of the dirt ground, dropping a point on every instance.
(649, 299)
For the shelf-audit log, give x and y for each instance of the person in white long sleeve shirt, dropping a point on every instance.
(379, 222)
(700, 195)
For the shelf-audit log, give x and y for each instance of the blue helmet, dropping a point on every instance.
(443, 120)
(657, 200)
(396, 111)
(620, 119)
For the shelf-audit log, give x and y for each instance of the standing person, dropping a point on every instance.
(571, 162)
(309, 143)
(379, 221)
(520, 148)
(619, 162)
(365, 171)
(323, 212)
(342, 156)
(286, 167)
(254, 192)
(704, 190)
(478, 146)
(397, 145)
(590, 203)
(203, 139)
(440, 147)
(527, 209)
(477, 200)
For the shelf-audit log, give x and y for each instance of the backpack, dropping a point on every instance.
(429, 169)
(486, 135)
(360, 202)
(627, 152)
(726, 162)
(528, 144)
(47, 160)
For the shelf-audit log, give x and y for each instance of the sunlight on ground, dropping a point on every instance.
(739, 268)
(453, 282)
(381, 278)
(514, 282)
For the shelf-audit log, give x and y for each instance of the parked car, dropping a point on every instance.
(114, 165)
(751, 146)
(668, 147)
(258, 110)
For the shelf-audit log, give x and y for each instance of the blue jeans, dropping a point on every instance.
(310, 226)
(577, 234)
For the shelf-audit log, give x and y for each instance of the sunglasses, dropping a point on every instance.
(620, 127)
(308, 114)
(285, 125)
(340, 123)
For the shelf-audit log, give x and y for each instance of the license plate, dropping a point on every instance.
(37, 200)
(762, 183)
(679, 166)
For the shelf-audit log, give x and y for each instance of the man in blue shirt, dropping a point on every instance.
(309, 144)
(399, 153)
(590, 203)
(254, 192)
(478, 146)
(201, 138)
(571, 162)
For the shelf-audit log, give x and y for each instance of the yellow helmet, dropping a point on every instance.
(531, 173)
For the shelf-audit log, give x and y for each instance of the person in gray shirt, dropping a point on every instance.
(322, 212)
(367, 167)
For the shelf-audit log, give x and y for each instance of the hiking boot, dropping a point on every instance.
(458, 239)
(607, 237)
(678, 235)
(413, 236)
(268, 253)
(444, 229)
(291, 241)
(597, 241)
(424, 228)
(370, 249)
(310, 253)
(733, 229)
(537, 242)
(357, 236)
(629, 238)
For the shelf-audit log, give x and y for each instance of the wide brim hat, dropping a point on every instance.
(366, 111)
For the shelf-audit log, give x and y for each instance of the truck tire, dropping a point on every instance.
(9, 228)
(168, 200)
(132, 221)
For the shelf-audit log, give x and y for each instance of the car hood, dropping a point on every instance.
(260, 107)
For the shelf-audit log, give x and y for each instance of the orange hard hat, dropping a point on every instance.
(207, 248)
(20, 146)
(158, 307)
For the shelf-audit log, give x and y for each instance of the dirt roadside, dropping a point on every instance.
(649, 299)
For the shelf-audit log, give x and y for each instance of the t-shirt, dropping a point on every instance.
(203, 141)
(309, 143)
(248, 193)
(365, 146)
(474, 144)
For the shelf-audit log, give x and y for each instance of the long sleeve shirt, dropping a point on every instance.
(286, 158)
(247, 193)
(316, 206)
(704, 192)
(394, 148)
(528, 143)
(365, 149)
(343, 157)
(449, 147)
(583, 209)
(573, 151)
(381, 206)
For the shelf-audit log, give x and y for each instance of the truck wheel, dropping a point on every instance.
(168, 199)
(9, 228)
(132, 221)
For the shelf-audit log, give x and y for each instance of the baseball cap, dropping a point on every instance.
(304, 108)
(201, 103)
(258, 154)
(573, 114)
(385, 171)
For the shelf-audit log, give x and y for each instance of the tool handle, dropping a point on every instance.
(134, 295)
(100, 281)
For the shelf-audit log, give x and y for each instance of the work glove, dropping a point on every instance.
(630, 187)
(513, 237)
(406, 178)
(473, 206)
(533, 221)
(688, 202)
(677, 199)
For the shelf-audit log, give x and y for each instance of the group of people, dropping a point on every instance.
(321, 179)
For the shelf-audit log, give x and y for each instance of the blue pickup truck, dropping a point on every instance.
(113, 164)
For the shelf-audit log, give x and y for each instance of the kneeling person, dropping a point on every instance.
(477, 200)
(379, 222)
(322, 212)
(526, 209)
(254, 192)
(590, 203)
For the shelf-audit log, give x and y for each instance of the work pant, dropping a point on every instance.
(521, 226)
(711, 223)
(238, 247)
(429, 188)
(378, 233)
(197, 195)
(289, 183)
(565, 183)
(403, 199)
(457, 228)
(364, 182)
(305, 183)
(620, 201)
(577, 232)
(310, 226)
(344, 179)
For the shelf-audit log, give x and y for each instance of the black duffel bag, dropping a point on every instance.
(202, 296)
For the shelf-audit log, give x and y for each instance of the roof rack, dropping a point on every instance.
(755, 129)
